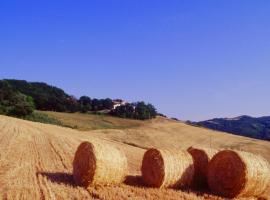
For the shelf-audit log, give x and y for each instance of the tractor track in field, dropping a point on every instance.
(36, 163)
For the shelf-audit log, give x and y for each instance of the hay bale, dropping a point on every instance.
(201, 158)
(167, 169)
(98, 164)
(238, 174)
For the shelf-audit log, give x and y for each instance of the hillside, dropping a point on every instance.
(36, 159)
(87, 122)
(258, 128)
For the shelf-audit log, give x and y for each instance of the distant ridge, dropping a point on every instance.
(248, 126)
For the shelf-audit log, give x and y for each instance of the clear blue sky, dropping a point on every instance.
(192, 59)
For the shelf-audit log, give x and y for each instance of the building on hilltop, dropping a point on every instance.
(118, 102)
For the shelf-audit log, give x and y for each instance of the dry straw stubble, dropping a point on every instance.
(167, 169)
(201, 158)
(99, 164)
(238, 174)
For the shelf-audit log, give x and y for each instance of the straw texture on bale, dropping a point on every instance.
(167, 169)
(201, 158)
(238, 174)
(98, 164)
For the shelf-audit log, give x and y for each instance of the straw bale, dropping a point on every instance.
(238, 174)
(99, 164)
(167, 169)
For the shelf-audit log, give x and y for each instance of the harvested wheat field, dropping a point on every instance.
(36, 160)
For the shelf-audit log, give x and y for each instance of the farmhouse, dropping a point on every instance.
(118, 102)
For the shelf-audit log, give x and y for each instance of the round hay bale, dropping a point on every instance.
(238, 174)
(201, 158)
(167, 169)
(98, 164)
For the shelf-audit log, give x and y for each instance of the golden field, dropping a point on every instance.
(36, 159)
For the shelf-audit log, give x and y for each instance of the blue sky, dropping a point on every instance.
(192, 59)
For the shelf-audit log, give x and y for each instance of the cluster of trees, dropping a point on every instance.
(138, 110)
(14, 103)
(87, 104)
(45, 97)
(20, 98)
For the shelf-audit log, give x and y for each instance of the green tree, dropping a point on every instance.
(107, 104)
(124, 111)
(21, 105)
(85, 104)
(137, 110)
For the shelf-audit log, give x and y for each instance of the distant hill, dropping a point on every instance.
(258, 128)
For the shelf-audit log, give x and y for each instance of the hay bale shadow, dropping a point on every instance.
(135, 181)
(59, 178)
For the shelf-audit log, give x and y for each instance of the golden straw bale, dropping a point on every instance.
(98, 164)
(238, 174)
(201, 158)
(167, 169)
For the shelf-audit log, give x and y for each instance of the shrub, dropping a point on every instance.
(42, 118)
(13, 102)
(22, 105)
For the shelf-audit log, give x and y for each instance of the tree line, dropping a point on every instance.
(20, 98)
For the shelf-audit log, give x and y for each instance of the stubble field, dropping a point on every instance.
(36, 159)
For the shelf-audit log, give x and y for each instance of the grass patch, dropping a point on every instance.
(88, 121)
(43, 118)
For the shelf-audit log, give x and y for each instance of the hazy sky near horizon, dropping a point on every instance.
(193, 60)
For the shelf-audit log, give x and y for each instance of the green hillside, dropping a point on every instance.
(86, 122)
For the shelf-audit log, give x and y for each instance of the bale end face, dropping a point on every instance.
(153, 171)
(84, 164)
